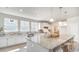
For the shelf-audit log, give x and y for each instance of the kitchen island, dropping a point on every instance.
(44, 43)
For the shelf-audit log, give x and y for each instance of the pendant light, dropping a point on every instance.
(62, 20)
(51, 19)
(60, 9)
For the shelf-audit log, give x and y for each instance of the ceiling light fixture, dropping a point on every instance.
(51, 19)
(60, 9)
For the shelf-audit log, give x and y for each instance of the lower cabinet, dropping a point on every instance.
(3, 42)
(20, 39)
(11, 40)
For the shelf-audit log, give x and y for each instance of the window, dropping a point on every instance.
(13, 25)
(35, 26)
(24, 26)
(10, 25)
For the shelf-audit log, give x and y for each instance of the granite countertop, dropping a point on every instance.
(49, 42)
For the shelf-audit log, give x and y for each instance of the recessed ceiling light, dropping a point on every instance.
(51, 20)
(21, 10)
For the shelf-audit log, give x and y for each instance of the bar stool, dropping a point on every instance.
(76, 47)
(58, 49)
(68, 47)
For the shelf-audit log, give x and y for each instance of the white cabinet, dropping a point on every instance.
(11, 41)
(3, 42)
(20, 39)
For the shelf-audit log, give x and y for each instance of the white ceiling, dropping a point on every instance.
(42, 13)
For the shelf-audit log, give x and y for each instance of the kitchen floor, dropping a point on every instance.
(23, 48)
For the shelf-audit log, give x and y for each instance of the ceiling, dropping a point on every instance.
(42, 13)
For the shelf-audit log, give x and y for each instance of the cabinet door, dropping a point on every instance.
(3, 42)
(20, 39)
(11, 41)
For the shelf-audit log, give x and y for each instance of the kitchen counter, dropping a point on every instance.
(46, 42)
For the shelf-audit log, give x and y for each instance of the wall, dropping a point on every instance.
(73, 27)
